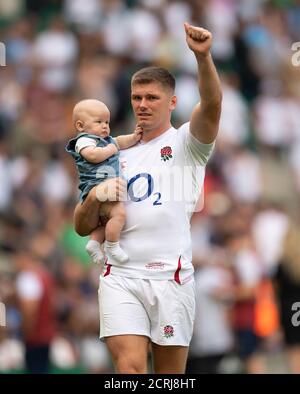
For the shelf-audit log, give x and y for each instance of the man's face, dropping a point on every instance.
(152, 105)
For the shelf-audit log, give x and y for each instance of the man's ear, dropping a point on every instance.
(79, 125)
(173, 103)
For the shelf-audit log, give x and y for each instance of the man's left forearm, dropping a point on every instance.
(206, 115)
(209, 83)
(204, 122)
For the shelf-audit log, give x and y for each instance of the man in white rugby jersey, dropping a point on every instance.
(150, 298)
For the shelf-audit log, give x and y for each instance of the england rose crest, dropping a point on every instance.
(166, 153)
(168, 331)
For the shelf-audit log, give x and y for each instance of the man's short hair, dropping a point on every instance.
(154, 74)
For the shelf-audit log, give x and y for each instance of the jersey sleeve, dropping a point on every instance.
(195, 150)
(84, 142)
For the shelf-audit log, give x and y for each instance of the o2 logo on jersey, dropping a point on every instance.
(296, 315)
(149, 189)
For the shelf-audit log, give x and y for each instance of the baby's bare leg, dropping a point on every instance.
(86, 216)
(93, 247)
(98, 235)
(115, 213)
(116, 221)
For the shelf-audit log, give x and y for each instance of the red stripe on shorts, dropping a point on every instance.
(176, 275)
(107, 270)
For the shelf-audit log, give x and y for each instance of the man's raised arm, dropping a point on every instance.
(206, 115)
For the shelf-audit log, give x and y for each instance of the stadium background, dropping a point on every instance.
(58, 52)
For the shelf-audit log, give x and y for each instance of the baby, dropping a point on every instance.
(97, 158)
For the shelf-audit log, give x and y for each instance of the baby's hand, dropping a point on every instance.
(138, 133)
(112, 148)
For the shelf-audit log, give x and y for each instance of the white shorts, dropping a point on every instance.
(162, 310)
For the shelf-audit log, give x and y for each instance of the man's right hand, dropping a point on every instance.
(198, 39)
(111, 190)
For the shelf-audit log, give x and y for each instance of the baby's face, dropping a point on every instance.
(96, 121)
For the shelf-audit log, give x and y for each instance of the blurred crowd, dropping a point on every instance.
(246, 240)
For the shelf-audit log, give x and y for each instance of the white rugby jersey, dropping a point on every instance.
(165, 178)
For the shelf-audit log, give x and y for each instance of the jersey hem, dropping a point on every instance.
(185, 274)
